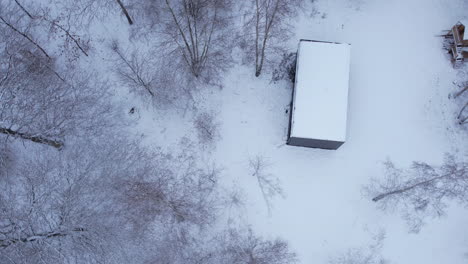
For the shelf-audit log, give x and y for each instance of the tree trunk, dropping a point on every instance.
(54, 23)
(25, 36)
(408, 188)
(140, 80)
(4, 243)
(460, 114)
(463, 121)
(76, 41)
(124, 10)
(258, 72)
(24, 9)
(461, 92)
(257, 32)
(384, 195)
(38, 139)
(262, 55)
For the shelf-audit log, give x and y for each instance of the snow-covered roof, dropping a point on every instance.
(321, 91)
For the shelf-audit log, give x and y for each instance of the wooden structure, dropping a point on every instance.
(457, 42)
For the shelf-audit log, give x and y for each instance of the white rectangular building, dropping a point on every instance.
(320, 96)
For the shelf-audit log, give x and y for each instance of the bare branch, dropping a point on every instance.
(37, 139)
(460, 92)
(68, 34)
(197, 33)
(269, 184)
(243, 246)
(462, 119)
(207, 127)
(270, 29)
(135, 65)
(25, 36)
(4, 243)
(124, 10)
(422, 190)
(24, 10)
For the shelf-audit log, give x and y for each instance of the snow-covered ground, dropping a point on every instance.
(398, 108)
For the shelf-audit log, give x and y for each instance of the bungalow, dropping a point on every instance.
(318, 114)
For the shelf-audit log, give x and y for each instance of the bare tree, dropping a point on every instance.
(84, 12)
(21, 27)
(462, 117)
(55, 26)
(422, 190)
(270, 185)
(91, 201)
(463, 87)
(230, 246)
(177, 191)
(57, 207)
(44, 100)
(135, 70)
(244, 247)
(175, 204)
(38, 139)
(363, 255)
(267, 28)
(124, 11)
(151, 78)
(103, 196)
(40, 105)
(195, 33)
(35, 23)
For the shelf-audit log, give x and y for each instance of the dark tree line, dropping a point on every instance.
(199, 35)
(40, 101)
(95, 203)
(74, 186)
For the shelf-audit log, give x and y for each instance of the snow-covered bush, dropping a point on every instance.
(243, 246)
(286, 70)
(370, 254)
(268, 183)
(207, 128)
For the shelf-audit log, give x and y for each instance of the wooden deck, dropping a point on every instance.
(458, 35)
(456, 44)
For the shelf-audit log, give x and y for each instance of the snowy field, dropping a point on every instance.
(398, 108)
